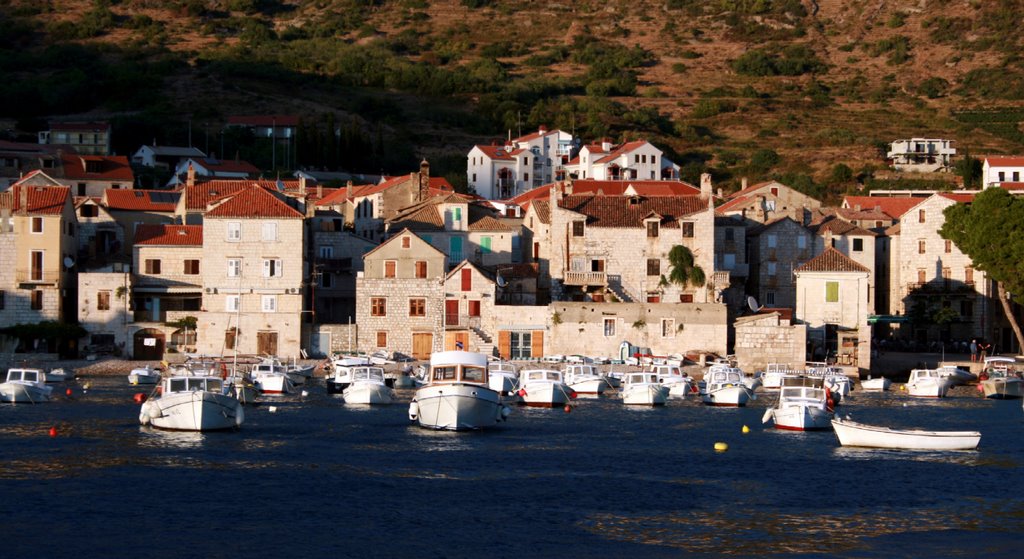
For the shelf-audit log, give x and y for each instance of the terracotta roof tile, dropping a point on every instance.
(488, 223)
(252, 203)
(162, 234)
(839, 227)
(141, 200)
(42, 200)
(894, 207)
(612, 188)
(622, 150)
(831, 261)
(543, 209)
(1004, 160)
(630, 211)
(97, 167)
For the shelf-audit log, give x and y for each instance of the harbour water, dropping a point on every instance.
(317, 478)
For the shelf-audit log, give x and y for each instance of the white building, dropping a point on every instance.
(923, 155)
(164, 156)
(637, 160)
(503, 171)
(1002, 170)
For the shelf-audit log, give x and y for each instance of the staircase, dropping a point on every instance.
(616, 287)
(483, 342)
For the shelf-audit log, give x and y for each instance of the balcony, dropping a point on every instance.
(37, 277)
(585, 279)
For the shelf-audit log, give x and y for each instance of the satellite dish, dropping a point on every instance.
(752, 303)
(68, 262)
(500, 281)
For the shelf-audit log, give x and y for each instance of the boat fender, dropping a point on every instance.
(830, 404)
(505, 412)
(768, 414)
(223, 371)
(568, 408)
(414, 410)
(139, 397)
(694, 389)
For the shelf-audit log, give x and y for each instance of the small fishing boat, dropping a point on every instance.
(1000, 380)
(192, 403)
(928, 383)
(585, 379)
(834, 378)
(143, 375)
(543, 388)
(271, 378)
(25, 386)
(59, 375)
(879, 384)
(679, 385)
(804, 405)
(502, 376)
(642, 389)
(457, 395)
(341, 376)
(956, 375)
(368, 387)
(723, 386)
(851, 433)
(771, 377)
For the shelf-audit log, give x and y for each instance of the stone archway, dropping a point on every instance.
(148, 345)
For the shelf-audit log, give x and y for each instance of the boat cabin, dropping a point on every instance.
(502, 367)
(918, 374)
(542, 375)
(193, 384)
(25, 375)
(581, 371)
(723, 376)
(641, 378)
(1000, 366)
(368, 374)
(473, 374)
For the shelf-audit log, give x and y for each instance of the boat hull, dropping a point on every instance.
(368, 394)
(273, 384)
(544, 395)
(457, 407)
(870, 436)
(880, 384)
(930, 387)
(136, 379)
(728, 396)
(801, 418)
(1002, 388)
(24, 393)
(193, 411)
(644, 395)
(590, 386)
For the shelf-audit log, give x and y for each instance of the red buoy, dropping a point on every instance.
(139, 397)
(522, 392)
(53, 431)
(568, 408)
(68, 392)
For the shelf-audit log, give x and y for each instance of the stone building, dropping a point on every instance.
(776, 249)
(100, 236)
(103, 309)
(770, 337)
(92, 175)
(832, 300)
(855, 242)
(254, 270)
(637, 160)
(400, 297)
(134, 208)
(769, 201)
(469, 308)
(335, 258)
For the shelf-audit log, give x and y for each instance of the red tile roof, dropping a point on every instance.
(622, 150)
(958, 197)
(496, 152)
(734, 204)
(43, 200)
(894, 207)
(229, 166)
(141, 200)
(1012, 186)
(162, 234)
(542, 131)
(1005, 160)
(831, 261)
(252, 203)
(611, 188)
(839, 226)
(103, 168)
(750, 189)
(630, 211)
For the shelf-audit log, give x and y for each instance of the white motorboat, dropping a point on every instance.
(192, 403)
(341, 375)
(143, 375)
(25, 386)
(723, 386)
(368, 387)
(296, 374)
(956, 375)
(502, 376)
(1000, 380)
(271, 378)
(457, 395)
(642, 389)
(804, 405)
(381, 358)
(403, 378)
(879, 384)
(928, 383)
(544, 388)
(59, 375)
(835, 379)
(585, 379)
(771, 377)
(679, 384)
(851, 433)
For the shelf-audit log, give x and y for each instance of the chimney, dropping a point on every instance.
(424, 180)
(606, 144)
(348, 190)
(556, 193)
(568, 187)
(190, 179)
(743, 183)
(719, 193)
(856, 207)
(23, 200)
(705, 184)
(302, 183)
(319, 191)
(542, 129)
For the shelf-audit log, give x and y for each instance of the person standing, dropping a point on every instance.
(983, 347)
(974, 350)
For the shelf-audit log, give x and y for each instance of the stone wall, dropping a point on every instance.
(763, 339)
(113, 320)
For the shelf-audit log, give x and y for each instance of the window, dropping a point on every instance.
(466, 279)
(1002, 176)
(687, 228)
(103, 301)
(921, 246)
(417, 307)
(772, 241)
(771, 268)
(520, 345)
(406, 242)
(1016, 176)
(474, 308)
(234, 267)
(326, 279)
(609, 327)
(234, 230)
(269, 303)
(801, 242)
(969, 275)
(382, 339)
(37, 225)
(270, 231)
(668, 328)
(191, 267)
(729, 235)
(769, 298)
(37, 300)
(153, 267)
(947, 275)
(577, 229)
(229, 338)
(729, 261)
(390, 268)
(920, 216)
(272, 268)
(88, 210)
(948, 246)
(831, 291)
(327, 252)
(421, 269)
(485, 245)
(597, 265)
(858, 245)
(653, 267)
(921, 277)
(652, 229)
(526, 177)
(686, 297)
(378, 306)
(232, 302)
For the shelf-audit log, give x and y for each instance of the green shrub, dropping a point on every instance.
(793, 60)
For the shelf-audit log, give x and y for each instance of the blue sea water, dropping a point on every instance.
(317, 478)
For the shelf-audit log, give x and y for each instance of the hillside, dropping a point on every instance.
(805, 91)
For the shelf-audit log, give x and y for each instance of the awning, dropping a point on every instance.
(887, 319)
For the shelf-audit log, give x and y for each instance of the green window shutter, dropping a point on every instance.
(832, 292)
(485, 245)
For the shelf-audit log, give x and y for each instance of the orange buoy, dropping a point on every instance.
(139, 397)
(53, 431)
(68, 392)
(568, 408)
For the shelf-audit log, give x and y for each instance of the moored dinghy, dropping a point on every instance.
(805, 404)
(851, 433)
(143, 375)
(928, 383)
(585, 379)
(192, 403)
(641, 388)
(457, 395)
(879, 384)
(25, 386)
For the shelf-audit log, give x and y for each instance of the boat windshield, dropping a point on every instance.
(30, 376)
(554, 375)
(472, 373)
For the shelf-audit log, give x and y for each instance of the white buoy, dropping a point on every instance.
(305, 393)
(272, 409)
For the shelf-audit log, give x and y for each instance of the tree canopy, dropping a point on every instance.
(684, 272)
(990, 231)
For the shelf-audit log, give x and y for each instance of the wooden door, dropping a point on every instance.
(451, 312)
(505, 344)
(266, 343)
(453, 339)
(422, 345)
(148, 345)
